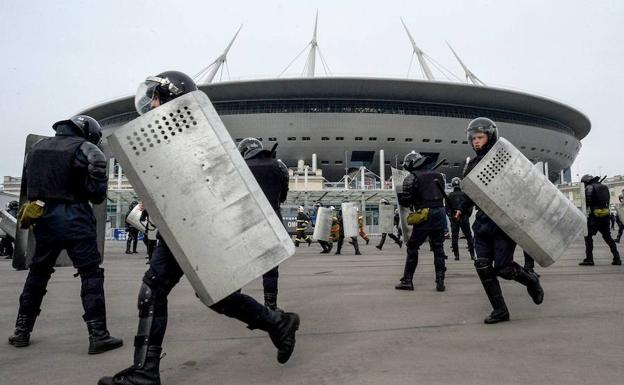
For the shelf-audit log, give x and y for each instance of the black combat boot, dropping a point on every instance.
(309, 241)
(100, 339)
(400, 244)
(587, 262)
(356, 247)
(281, 327)
(617, 261)
(146, 374)
(532, 283)
(494, 293)
(440, 281)
(456, 254)
(405, 284)
(23, 326)
(270, 301)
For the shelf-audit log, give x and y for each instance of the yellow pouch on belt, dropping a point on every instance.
(599, 213)
(418, 216)
(29, 213)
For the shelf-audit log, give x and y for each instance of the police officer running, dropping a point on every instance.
(396, 239)
(131, 232)
(164, 273)
(597, 197)
(493, 247)
(421, 192)
(456, 199)
(63, 174)
(272, 176)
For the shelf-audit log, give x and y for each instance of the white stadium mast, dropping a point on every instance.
(469, 75)
(419, 54)
(207, 75)
(310, 67)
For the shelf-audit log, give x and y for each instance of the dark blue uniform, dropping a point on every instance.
(457, 198)
(494, 258)
(597, 197)
(420, 191)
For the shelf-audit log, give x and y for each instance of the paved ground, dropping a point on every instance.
(356, 329)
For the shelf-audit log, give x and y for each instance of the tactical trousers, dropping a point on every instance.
(494, 248)
(133, 237)
(162, 276)
(269, 281)
(595, 225)
(529, 262)
(464, 225)
(383, 239)
(418, 237)
(301, 236)
(85, 258)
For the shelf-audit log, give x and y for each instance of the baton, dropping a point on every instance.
(438, 164)
(273, 150)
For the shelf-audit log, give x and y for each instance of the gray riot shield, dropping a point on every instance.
(350, 219)
(25, 239)
(619, 209)
(134, 218)
(8, 223)
(583, 207)
(386, 218)
(397, 181)
(186, 169)
(523, 203)
(322, 226)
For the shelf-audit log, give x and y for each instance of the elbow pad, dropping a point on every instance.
(96, 161)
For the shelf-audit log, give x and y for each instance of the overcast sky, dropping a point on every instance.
(59, 57)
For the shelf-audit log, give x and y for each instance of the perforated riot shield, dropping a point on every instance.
(619, 209)
(386, 218)
(186, 169)
(524, 203)
(8, 223)
(397, 181)
(322, 225)
(350, 219)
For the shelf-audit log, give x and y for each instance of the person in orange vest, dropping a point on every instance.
(362, 231)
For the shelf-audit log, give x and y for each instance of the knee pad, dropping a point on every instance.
(508, 272)
(93, 271)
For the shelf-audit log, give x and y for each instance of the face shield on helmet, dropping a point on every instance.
(249, 146)
(151, 88)
(455, 182)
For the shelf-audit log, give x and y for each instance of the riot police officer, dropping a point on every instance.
(272, 176)
(422, 193)
(456, 199)
(494, 249)
(132, 233)
(396, 239)
(618, 221)
(6, 243)
(164, 273)
(597, 196)
(325, 245)
(63, 174)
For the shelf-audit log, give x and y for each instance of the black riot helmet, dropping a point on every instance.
(165, 86)
(483, 125)
(414, 161)
(88, 127)
(249, 147)
(588, 179)
(455, 182)
(13, 205)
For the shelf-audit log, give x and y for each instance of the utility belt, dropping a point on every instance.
(601, 213)
(29, 213)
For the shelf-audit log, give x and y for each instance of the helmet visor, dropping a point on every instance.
(144, 96)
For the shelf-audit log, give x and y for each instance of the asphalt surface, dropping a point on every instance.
(355, 328)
